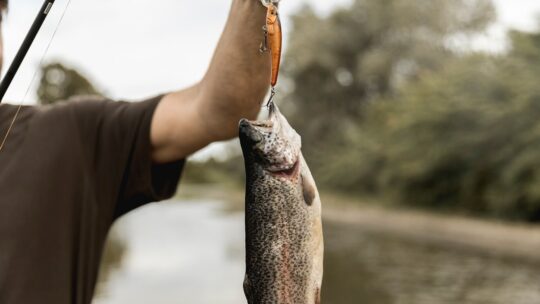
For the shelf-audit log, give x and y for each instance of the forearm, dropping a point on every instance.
(233, 88)
(239, 75)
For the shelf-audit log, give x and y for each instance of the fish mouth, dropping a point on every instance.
(268, 123)
(262, 124)
(254, 129)
(250, 131)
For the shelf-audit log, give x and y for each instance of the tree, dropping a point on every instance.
(466, 137)
(365, 52)
(59, 82)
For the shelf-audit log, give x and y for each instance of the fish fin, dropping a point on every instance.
(318, 295)
(308, 189)
(247, 290)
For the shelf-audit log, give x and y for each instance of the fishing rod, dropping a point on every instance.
(25, 47)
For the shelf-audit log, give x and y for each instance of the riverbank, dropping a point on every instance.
(491, 238)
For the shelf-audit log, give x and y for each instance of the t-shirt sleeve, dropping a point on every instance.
(116, 137)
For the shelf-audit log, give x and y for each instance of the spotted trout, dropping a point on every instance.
(284, 238)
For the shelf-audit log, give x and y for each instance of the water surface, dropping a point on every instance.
(193, 252)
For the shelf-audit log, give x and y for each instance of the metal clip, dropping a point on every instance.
(267, 3)
(271, 99)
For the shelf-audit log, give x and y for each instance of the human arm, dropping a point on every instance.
(233, 88)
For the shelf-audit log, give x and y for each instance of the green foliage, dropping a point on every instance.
(390, 104)
(365, 52)
(215, 171)
(466, 137)
(59, 82)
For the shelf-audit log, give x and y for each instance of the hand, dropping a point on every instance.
(233, 88)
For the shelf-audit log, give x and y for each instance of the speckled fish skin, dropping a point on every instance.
(284, 238)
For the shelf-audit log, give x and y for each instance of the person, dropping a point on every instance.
(68, 171)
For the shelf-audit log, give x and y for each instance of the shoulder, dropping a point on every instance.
(83, 108)
(77, 105)
(96, 105)
(22, 115)
(82, 111)
(69, 112)
(8, 110)
(96, 115)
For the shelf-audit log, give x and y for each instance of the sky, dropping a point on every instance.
(131, 49)
(138, 48)
(134, 49)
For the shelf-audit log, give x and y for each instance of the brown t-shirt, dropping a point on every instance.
(66, 173)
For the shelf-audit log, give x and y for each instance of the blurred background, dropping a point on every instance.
(419, 121)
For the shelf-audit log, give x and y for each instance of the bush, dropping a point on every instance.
(465, 138)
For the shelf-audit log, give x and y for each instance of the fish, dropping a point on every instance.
(284, 233)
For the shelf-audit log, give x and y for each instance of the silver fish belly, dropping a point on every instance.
(284, 237)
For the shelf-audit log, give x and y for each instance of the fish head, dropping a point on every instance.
(272, 143)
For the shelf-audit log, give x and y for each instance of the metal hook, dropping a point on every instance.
(271, 99)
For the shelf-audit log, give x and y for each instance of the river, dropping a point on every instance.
(193, 252)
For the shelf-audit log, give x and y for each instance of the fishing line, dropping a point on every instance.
(7, 82)
(272, 96)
